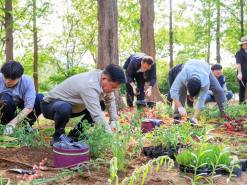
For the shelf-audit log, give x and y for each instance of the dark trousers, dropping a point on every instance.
(9, 109)
(242, 91)
(61, 111)
(140, 80)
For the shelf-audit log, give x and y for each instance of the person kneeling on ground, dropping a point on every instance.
(217, 72)
(140, 68)
(17, 91)
(81, 94)
(195, 77)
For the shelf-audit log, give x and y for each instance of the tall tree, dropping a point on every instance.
(35, 48)
(218, 57)
(147, 28)
(242, 17)
(209, 28)
(9, 30)
(108, 38)
(170, 36)
(147, 37)
(108, 33)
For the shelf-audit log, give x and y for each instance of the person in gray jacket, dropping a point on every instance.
(196, 78)
(81, 94)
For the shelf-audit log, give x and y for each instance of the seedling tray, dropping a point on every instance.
(156, 151)
(207, 171)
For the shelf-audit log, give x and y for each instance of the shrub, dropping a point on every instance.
(231, 79)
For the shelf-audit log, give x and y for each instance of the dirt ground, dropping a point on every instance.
(25, 158)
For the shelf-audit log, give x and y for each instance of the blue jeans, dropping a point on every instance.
(210, 97)
(9, 110)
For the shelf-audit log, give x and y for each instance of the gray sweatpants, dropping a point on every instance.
(215, 87)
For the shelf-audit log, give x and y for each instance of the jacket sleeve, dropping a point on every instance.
(130, 71)
(152, 74)
(176, 86)
(111, 107)
(202, 97)
(92, 103)
(239, 57)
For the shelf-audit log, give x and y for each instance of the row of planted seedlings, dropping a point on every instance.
(191, 147)
(193, 150)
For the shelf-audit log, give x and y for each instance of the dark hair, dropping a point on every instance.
(115, 73)
(216, 67)
(12, 70)
(147, 59)
(194, 86)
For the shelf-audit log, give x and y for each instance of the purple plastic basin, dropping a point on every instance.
(64, 158)
(149, 124)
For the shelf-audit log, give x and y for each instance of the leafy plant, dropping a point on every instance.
(97, 138)
(143, 171)
(206, 157)
(27, 136)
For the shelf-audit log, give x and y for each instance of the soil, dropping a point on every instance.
(26, 157)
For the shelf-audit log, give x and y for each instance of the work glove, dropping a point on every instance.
(113, 124)
(9, 129)
(193, 120)
(182, 111)
(240, 76)
(148, 92)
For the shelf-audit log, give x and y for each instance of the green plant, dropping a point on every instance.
(162, 161)
(120, 144)
(4, 181)
(27, 136)
(207, 156)
(97, 138)
(171, 137)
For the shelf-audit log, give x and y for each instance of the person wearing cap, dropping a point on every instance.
(217, 72)
(81, 95)
(141, 68)
(17, 92)
(194, 77)
(241, 60)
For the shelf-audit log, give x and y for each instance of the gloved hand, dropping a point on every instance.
(9, 129)
(182, 111)
(148, 92)
(113, 124)
(240, 75)
(193, 120)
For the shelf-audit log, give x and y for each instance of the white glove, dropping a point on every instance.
(240, 76)
(148, 92)
(182, 111)
(113, 124)
(194, 120)
(9, 129)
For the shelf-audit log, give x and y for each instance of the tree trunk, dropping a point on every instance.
(108, 39)
(218, 58)
(170, 37)
(9, 30)
(35, 48)
(242, 17)
(108, 33)
(147, 38)
(209, 24)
